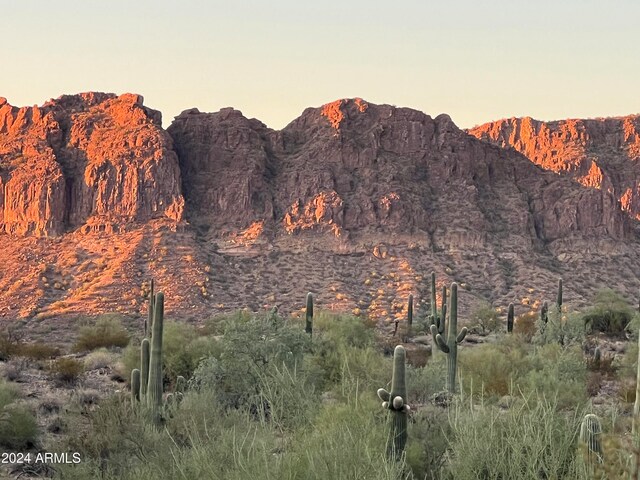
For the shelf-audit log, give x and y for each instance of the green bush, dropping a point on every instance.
(558, 373)
(494, 369)
(534, 441)
(107, 332)
(183, 349)
(610, 313)
(428, 443)
(8, 393)
(563, 329)
(66, 370)
(18, 428)
(247, 350)
(487, 318)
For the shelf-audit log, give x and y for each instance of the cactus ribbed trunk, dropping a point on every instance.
(410, 312)
(452, 358)
(510, 317)
(434, 306)
(145, 352)
(154, 388)
(590, 432)
(443, 311)
(450, 347)
(559, 299)
(135, 384)
(309, 315)
(396, 401)
(149, 322)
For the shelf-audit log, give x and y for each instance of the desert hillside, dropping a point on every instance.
(353, 201)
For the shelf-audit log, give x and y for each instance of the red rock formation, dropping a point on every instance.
(598, 153)
(90, 161)
(360, 169)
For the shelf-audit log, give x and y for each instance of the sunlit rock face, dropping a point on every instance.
(352, 168)
(597, 153)
(91, 161)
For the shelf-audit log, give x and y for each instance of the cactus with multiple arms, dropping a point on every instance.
(396, 401)
(309, 314)
(450, 347)
(510, 316)
(154, 388)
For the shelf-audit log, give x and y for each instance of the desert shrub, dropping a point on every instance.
(493, 369)
(216, 324)
(347, 330)
(610, 313)
(557, 373)
(9, 344)
(97, 359)
(526, 324)
(66, 370)
(423, 382)
(563, 329)
(428, 443)
(183, 349)
(18, 427)
(38, 351)
(107, 332)
(247, 349)
(486, 317)
(534, 441)
(8, 393)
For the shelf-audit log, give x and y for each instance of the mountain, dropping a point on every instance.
(598, 153)
(353, 201)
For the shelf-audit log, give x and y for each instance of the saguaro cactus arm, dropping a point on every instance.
(442, 345)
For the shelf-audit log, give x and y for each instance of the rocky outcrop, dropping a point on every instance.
(92, 161)
(351, 168)
(598, 153)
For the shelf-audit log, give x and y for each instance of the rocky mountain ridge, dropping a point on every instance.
(354, 201)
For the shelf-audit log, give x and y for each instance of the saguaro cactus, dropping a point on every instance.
(510, 316)
(154, 388)
(149, 322)
(145, 353)
(559, 299)
(410, 312)
(450, 347)
(309, 314)
(434, 305)
(590, 432)
(396, 401)
(135, 384)
(544, 313)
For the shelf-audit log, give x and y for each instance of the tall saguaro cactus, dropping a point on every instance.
(410, 312)
(309, 314)
(559, 298)
(450, 347)
(434, 305)
(396, 401)
(145, 353)
(510, 317)
(154, 388)
(149, 322)
(590, 432)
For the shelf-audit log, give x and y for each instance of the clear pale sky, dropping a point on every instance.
(476, 60)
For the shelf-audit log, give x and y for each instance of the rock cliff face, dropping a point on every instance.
(354, 201)
(599, 153)
(351, 168)
(92, 161)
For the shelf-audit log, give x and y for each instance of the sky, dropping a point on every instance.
(476, 60)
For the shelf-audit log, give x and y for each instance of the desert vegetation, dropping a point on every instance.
(545, 394)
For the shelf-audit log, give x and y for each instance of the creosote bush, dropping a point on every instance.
(66, 370)
(107, 332)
